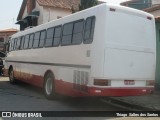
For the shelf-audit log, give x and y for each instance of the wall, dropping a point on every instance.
(40, 9)
(154, 2)
(37, 8)
(48, 13)
(6, 37)
(51, 13)
(155, 13)
(25, 13)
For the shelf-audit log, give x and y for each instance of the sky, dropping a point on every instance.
(9, 10)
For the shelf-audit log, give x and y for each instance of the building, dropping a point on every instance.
(4, 37)
(155, 10)
(36, 12)
(137, 4)
(155, 2)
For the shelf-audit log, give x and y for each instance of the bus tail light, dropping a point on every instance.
(150, 82)
(102, 82)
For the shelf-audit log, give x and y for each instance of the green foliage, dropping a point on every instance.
(84, 4)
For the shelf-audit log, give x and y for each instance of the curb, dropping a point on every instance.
(127, 105)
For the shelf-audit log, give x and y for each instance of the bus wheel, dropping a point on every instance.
(49, 89)
(11, 76)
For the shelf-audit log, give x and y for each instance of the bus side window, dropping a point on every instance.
(67, 34)
(42, 38)
(11, 45)
(26, 41)
(18, 43)
(15, 44)
(22, 42)
(57, 36)
(89, 30)
(78, 32)
(8, 47)
(49, 37)
(36, 40)
(31, 38)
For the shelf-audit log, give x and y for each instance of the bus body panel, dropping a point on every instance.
(130, 52)
(129, 65)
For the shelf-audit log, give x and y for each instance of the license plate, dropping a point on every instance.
(129, 82)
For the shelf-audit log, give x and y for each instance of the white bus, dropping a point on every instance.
(106, 50)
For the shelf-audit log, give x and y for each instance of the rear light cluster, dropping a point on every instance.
(150, 82)
(102, 82)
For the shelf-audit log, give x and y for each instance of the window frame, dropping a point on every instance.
(68, 34)
(74, 22)
(12, 44)
(38, 40)
(90, 40)
(18, 47)
(22, 38)
(44, 30)
(60, 37)
(25, 42)
(52, 36)
(80, 20)
(29, 41)
(15, 43)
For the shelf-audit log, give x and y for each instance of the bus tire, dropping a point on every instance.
(12, 79)
(48, 86)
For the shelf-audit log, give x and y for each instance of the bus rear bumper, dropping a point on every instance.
(94, 91)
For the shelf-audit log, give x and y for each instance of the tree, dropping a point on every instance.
(84, 4)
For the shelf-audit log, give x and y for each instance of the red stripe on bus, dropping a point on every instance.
(70, 89)
(66, 88)
(29, 78)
